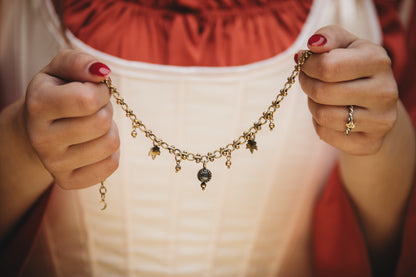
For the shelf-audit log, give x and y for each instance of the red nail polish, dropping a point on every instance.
(296, 57)
(99, 69)
(317, 40)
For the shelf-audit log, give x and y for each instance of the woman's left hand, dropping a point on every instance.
(345, 70)
(377, 159)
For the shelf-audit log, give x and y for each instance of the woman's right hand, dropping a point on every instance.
(68, 117)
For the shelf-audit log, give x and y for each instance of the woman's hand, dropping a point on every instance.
(69, 120)
(62, 132)
(377, 160)
(346, 70)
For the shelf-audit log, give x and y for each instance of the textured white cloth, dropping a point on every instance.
(252, 220)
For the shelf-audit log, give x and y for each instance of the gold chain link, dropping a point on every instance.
(248, 137)
(225, 151)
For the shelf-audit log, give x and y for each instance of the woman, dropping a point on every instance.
(255, 219)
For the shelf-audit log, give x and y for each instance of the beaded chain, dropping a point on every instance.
(204, 175)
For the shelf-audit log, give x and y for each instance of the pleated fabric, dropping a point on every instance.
(188, 33)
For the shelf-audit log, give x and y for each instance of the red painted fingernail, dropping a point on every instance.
(99, 69)
(296, 57)
(317, 40)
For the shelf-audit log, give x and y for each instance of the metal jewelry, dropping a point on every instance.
(350, 122)
(204, 175)
(103, 191)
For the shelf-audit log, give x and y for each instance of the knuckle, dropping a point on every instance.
(112, 142)
(322, 116)
(103, 120)
(88, 101)
(381, 57)
(384, 61)
(55, 165)
(318, 92)
(388, 93)
(34, 106)
(327, 68)
(112, 164)
(66, 183)
(35, 101)
(388, 120)
(370, 145)
(374, 147)
(319, 130)
(40, 141)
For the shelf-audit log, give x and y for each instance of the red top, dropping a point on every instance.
(188, 32)
(237, 32)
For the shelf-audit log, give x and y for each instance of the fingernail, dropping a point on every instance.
(317, 40)
(99, 69)
(296, 57)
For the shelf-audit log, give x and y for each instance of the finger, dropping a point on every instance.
(338, 65)
(91, 174)
(377, 93)
(72, 65)
(335, 118)
(80, 155)
(71, 131)
(357, 143)
(341, 56)
(74, 99)
(329, 38)
(90, 152)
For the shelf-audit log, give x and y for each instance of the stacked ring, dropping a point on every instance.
(350, 122)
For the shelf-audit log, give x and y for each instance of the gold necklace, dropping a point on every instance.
(204, 175)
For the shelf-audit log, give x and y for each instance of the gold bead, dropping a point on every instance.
(177, 167)
(228, 163)
(271, 126)
(133, 133)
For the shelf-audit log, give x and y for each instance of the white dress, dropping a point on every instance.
(252, 220)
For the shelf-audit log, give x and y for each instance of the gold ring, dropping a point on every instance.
(350, 122)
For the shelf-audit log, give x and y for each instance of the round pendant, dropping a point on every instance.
(204, 175)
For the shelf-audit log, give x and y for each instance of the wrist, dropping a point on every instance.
(23, 178)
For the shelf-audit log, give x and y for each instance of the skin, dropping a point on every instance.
(65, 134)
(377, 159)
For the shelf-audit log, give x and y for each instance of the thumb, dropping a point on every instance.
(72, 65)
(330, 37)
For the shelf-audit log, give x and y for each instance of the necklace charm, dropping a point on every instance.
(204, 175)
(154, 151)
(248, 137)
(251, 145)
(228, 161)
(178, 163)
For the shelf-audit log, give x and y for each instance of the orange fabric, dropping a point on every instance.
(185, 32)
(339, 248)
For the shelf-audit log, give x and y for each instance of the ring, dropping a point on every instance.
(350, 122)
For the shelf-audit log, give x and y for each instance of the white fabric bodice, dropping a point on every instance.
(252, 220)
